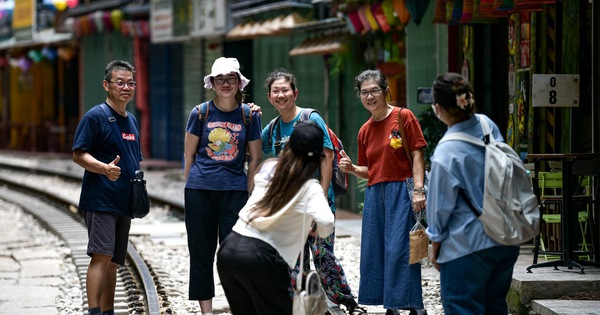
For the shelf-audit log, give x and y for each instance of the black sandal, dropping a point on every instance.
(357, 310)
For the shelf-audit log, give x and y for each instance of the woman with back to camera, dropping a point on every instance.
(282, 92)
(461, 250)
(386, 278)
(217, 186)
(254, 260)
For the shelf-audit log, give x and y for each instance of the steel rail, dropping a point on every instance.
(72, 230)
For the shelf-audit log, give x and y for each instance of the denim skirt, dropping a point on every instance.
(386, 278)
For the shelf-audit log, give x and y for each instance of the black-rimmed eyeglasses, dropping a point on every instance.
(230, 80)
(121, 84)
(375, 92)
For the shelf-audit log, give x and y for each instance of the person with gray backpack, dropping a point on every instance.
(463, 249)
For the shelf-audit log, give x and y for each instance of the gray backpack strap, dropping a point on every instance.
(274, 127)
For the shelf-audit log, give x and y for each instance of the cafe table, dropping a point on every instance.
(569, 214)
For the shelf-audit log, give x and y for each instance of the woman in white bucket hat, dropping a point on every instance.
(219, 134)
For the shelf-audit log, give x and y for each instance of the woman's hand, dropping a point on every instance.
(345, 164)
(255, 108)
(418, 200)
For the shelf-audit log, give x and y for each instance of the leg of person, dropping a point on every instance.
(370, 290)
(229, 204)
(201, 221)
(122, 227)
(402, 284)
(500, 278)
(269, 286)
(292, 284)
(107, 300)
(229, 265)
(331, 272)
(254, 276)
(306, 267)
(263, 274)
(95, 277)
(473, 273)
(206, 307)
(102, 227)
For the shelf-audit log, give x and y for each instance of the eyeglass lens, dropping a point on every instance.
(230, 80)
(121, 84)
(374, 92)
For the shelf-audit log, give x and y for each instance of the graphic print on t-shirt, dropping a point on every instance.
(223, 140)
(395, 139)
(128, 136)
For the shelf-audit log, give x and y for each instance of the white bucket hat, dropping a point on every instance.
(225, 66)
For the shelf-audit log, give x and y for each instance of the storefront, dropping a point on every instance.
(36, 112)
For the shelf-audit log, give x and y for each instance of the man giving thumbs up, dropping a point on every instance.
(107, 146)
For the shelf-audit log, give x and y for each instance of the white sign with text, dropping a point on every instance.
(555, 90)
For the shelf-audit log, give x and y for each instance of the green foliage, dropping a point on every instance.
(361, 185)
(513, 299)
(433, 130)
(338, 61)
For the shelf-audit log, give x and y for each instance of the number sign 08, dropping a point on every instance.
(555, 90)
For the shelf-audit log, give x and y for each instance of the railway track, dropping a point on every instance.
(161, 237)
(136, 291)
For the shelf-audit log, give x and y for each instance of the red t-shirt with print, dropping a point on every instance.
(381, 151)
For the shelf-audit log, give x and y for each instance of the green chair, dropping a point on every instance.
(550, 185)
(548, 219)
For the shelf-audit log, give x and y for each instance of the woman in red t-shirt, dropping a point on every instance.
(386, 278)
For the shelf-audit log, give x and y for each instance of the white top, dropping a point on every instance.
(283, 230)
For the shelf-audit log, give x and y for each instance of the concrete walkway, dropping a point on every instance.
(31, 269)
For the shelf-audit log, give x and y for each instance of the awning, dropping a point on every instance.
(45, 37)
(320, 46)
(276, 26)
(326, 36)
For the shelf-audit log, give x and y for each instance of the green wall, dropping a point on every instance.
(426, 56)
(98, 50)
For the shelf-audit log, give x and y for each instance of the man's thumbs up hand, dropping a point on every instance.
(112, 170)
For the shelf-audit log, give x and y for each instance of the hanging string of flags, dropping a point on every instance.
(106, 21)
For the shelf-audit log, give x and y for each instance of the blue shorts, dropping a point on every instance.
(108, 234)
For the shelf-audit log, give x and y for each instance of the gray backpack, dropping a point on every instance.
(510, 213)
